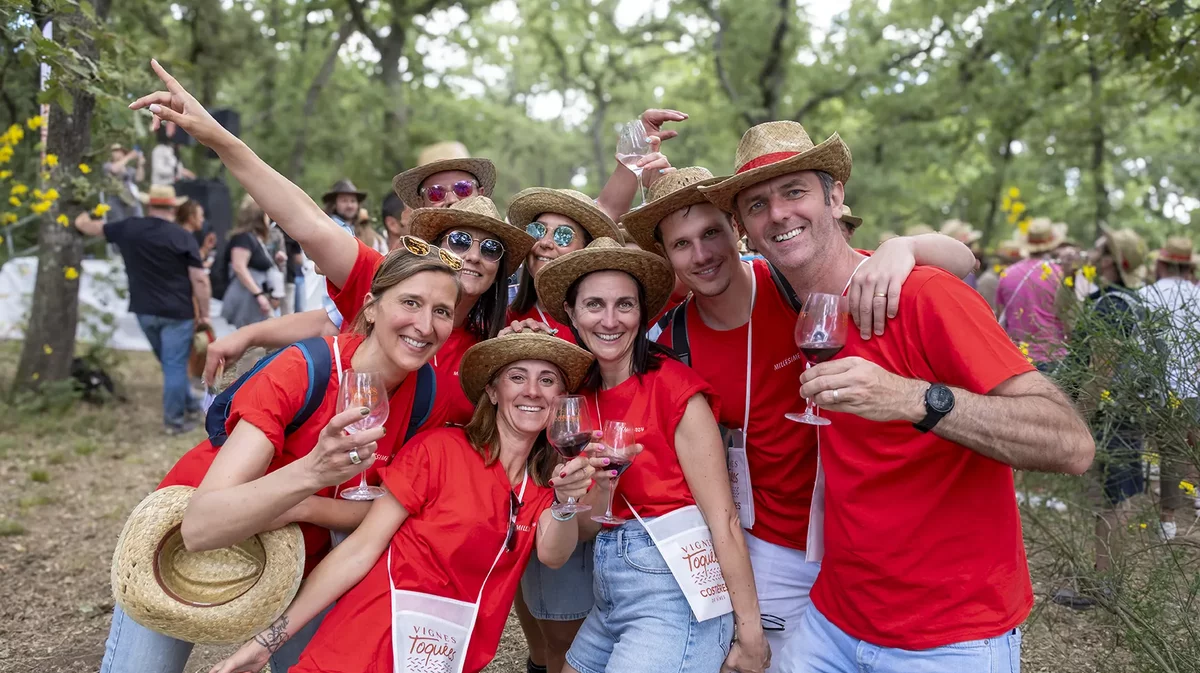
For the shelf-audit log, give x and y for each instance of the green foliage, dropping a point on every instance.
(39, 476)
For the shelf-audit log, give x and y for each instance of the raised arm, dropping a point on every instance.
(283, 201)
(270, 334)
(622, 184)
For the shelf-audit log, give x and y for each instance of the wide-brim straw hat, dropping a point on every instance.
(850, 220)
(1044, 235)
(528, 204)
(162, 196)
(222, 596)
(773, 149)
(604, 254)
(343, 186)
(677, 189)
(1010, 251)
(961, 231)
(484, 359)
(478, 212)
(445, 156)
(1178, 250)
(1129, 251)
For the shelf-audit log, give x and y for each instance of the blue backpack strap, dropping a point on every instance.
(422, 404)
(679, 334)
(319, 358)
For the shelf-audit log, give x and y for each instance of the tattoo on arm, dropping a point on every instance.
(274, 636)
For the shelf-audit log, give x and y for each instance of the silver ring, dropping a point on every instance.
(354, 457)
(835, 395)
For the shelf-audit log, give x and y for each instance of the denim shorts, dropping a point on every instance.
(563, 594)
(641, 620)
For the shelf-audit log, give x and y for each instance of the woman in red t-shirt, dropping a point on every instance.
(439, 556)
(642, 619)
(261, 480)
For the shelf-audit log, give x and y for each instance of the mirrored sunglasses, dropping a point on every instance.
(420, 248)
(460, 242)
(438, 193)
(563, 235)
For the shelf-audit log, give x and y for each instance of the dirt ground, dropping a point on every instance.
(67, 482)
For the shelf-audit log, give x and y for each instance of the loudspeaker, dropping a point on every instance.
(180, 137)
(214, 196)
(231, 120)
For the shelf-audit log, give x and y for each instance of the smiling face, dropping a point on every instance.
(413, 318)
(477, 274)
(547, 249)
(788, 220)
(346, 206)
(701, 245)
(523, 392)
(607, 315)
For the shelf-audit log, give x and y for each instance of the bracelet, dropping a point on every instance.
(564, 517)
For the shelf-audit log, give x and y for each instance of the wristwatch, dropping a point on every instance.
(939, 401)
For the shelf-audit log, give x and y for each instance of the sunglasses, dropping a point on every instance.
(438, 193)
(514, 506)
(420, 248)
(773, 623)
(563, 235)
(460, 242)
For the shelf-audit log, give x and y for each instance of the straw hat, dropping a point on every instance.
(221, 596)
(528, 204)
(1129, 251)
(484, 359)
(773, 149)
(651, 271)
(162, 196)
(343, 186)
(201, 338)
(1044, 235)
(478, 212)
(1010, 251)
(1178, 250)
(674, 190)
(445, 156)
(961, 231)
(851, 221)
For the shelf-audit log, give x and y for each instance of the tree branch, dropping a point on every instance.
(770, 78)
(314, 93)
(714, 13)
(361, 25)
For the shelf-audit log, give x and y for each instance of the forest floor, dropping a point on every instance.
(67, 484)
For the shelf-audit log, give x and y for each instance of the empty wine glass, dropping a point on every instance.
(363, 389)
(615, 446)
(820, 334)
(632, 145)
(569, 432)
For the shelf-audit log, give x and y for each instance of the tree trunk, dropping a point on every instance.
(395, 114)
(989, 224)
(50, 337)
(1099, 150)
(310, 99)
(600, 153)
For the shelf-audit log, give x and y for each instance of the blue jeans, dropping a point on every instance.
(641, 620)
(133, 648)
(561, 595)
(821, 647)
(171, 340)
(299, 283)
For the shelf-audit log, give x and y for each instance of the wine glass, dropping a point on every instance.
(363, 389)
(632, 145)
(615, 446)
(820, 334)
(570, 430)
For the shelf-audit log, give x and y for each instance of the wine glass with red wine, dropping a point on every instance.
(820, 334)
(616, 446)
(570, 430)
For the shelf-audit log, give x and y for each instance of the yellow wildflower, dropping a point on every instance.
(1069, 281)
(101, 209)
(19, 190)
(1023, 225)
(45, 175)
(1024, 348)
(1089, 272)
(1143, 526)
(1004, 273)
(51, 194)
(1172, 401)
(62, 219)
(47, 349)
(1046, 270)
(1014, 193)
(1006, 204)
(85, 169)
(1012, 218)
(37, 194)
(10, 218)
(52, 160)
(35, 122)
(1188, 488)
(14, 201)
(14, 135)
(998, 269)
(40, 207)
(6, 153)
(71, 273)
(1105, 397)
(4, 175)
(1018, 207)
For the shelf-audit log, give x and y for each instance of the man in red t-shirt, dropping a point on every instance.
(924, 565)
(736, 324)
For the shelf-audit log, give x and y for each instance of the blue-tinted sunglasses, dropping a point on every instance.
(563, 235)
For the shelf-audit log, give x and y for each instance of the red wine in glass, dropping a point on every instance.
(820, 334)
(616, 446)
(569, 432)
(619, 465)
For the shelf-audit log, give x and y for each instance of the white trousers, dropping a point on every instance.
(783, 578)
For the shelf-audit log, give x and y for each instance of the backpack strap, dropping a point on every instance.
(422, 405)
(785, 288)
(677, 317)
(319, 358)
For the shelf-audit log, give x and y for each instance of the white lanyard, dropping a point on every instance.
(749, 349)
(337, 360)
(851, 279)
(541, 315)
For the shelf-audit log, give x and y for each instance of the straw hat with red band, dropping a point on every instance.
(1010, 251)
(1044, 235)
(677, 189)
(1128, 250)
(773, 149)
(1178, 250)
(162, 196)
(438, 158)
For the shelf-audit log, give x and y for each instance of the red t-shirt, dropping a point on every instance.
(654, 404)
(564, 332)
(450, 404)
(782, 455)
(457, 521)
(923, 542)
(269, 401)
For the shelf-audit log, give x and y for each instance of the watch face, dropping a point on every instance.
(940, 398)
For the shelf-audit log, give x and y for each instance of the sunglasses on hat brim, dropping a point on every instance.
(420, 248)
(460, 242)
(438, 193)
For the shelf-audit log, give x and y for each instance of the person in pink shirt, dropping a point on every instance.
(1025, 296)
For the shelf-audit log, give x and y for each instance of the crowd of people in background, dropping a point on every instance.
(886, 539)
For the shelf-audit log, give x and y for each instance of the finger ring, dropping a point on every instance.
(835, 395)
(354, 457)
(881, 294)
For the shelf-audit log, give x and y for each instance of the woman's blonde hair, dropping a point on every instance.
(396, 267)
(250, 217)
(485, 439)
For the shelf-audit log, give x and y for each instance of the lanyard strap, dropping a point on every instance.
(541, 315)
(749, 349)
(851, 278)
(337, 360)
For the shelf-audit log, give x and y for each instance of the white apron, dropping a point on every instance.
(430, 634)
(683, 539)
